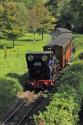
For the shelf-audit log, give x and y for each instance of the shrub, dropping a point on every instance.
(78, 67)
(62, 110)
(80, 56)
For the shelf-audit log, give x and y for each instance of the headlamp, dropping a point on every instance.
(30, 58)
(44, 58)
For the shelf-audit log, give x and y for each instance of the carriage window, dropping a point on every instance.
(37, 64)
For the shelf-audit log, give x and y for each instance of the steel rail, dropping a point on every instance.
(25, 115)
(21, 104)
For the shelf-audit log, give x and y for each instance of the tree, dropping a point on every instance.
(52, 5)
(64, 14)
(68, 13)
(40, 19)
(1, 20)
(77, 7)
(33, 21)
(46, 20)
(14, 20)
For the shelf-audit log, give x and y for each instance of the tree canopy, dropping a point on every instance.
(40, 15)
(13, 19)
(69, 13)
(40, 19)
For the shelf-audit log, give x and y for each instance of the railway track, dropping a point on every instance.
(20, 112)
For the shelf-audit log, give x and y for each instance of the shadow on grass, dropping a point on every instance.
(29, 40)
(20, 78)
(1, 46)
(7, 47)
(8, 91)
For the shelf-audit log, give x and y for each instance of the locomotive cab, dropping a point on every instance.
(39, 72)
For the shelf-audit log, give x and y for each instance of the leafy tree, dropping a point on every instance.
(1, 20)
(77, 7)
(45, 18)
(64, 14)
(40, 19)
(68, 13)
(52, 5)
(14, 20)
(33, 20)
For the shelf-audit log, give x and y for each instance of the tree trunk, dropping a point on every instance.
(34, 38)
(13, 43)
(5, 50)
(42, 35)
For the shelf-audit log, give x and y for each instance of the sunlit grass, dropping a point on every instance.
(78, 44)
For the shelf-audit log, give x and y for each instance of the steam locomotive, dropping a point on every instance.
(45, 67)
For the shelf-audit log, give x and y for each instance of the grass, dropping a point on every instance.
(78, 44)
(15, 61)
(14, 68)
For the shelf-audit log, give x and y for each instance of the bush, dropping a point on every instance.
(80, 56)
(8, 89)
(62, 110)
(78, 67)
(70, 78)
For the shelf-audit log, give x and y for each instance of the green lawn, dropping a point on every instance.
(78, 43)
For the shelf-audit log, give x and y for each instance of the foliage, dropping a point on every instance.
(62, 110)
(29, 3)
(40, 18)
(68, 12)
(8, 89)
(52, 4)
(13, 20)
(80, 56)
(64, 14)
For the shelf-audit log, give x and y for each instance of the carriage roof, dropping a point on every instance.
(62, 37)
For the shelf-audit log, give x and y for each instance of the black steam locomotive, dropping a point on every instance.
(45, 67)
